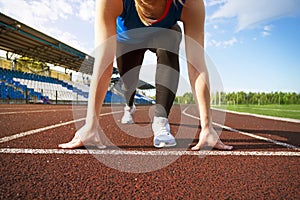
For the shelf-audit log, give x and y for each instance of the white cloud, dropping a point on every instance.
(35, 13)
(44, 15)
(250, 13)
(267, 30)
(230, 42)
(211, 42)
(87, 10)
(53, 9)
(213, 2)
(265, 33)
(223, 44)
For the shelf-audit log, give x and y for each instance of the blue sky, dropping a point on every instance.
(254, 44)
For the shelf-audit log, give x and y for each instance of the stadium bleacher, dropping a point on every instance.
(27, 87)
(17, 85)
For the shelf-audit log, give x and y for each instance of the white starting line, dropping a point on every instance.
(260, 116)
(38, 111)
(146, 153)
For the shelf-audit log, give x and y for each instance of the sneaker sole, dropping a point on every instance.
(163, 144)
(127, 122)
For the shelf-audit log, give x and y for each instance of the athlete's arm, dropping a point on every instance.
(107, 12)
(193, 17)
(105, 48)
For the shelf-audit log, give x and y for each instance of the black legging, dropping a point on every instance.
(130, 58)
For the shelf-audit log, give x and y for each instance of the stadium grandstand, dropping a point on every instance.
(25, 75)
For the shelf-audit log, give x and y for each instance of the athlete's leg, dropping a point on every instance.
(166, 81)
(129, 61)
(167, 72)
(166, 44)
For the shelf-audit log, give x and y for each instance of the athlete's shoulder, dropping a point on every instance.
(110, 6)
(193, 8)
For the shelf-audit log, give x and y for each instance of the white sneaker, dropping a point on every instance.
(127, 116)
(162, 134)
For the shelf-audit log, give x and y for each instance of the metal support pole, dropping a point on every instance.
(26, 96)
(56, 96)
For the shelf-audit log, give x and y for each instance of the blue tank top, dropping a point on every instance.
(129, 20)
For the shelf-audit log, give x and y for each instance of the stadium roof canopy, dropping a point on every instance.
(18, 38)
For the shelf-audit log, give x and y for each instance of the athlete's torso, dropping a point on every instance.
(129, 20)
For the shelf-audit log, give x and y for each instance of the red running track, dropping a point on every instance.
(32, 167)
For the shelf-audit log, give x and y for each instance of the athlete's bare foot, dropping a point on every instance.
(84, 137)
(219, 145)
(210, 138)
(74, 143)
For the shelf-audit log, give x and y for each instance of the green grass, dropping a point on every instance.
(285, 111)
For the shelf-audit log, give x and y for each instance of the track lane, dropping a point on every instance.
(82, 176)
(112, 127)
(21, 119)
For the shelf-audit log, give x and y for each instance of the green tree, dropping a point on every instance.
(293, 98)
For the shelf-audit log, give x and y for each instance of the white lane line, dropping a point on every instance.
(273, 109)
(259, 116)
(37, 111)
(31, 132)
(245, 133)
(146, 153)
(32, 108)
